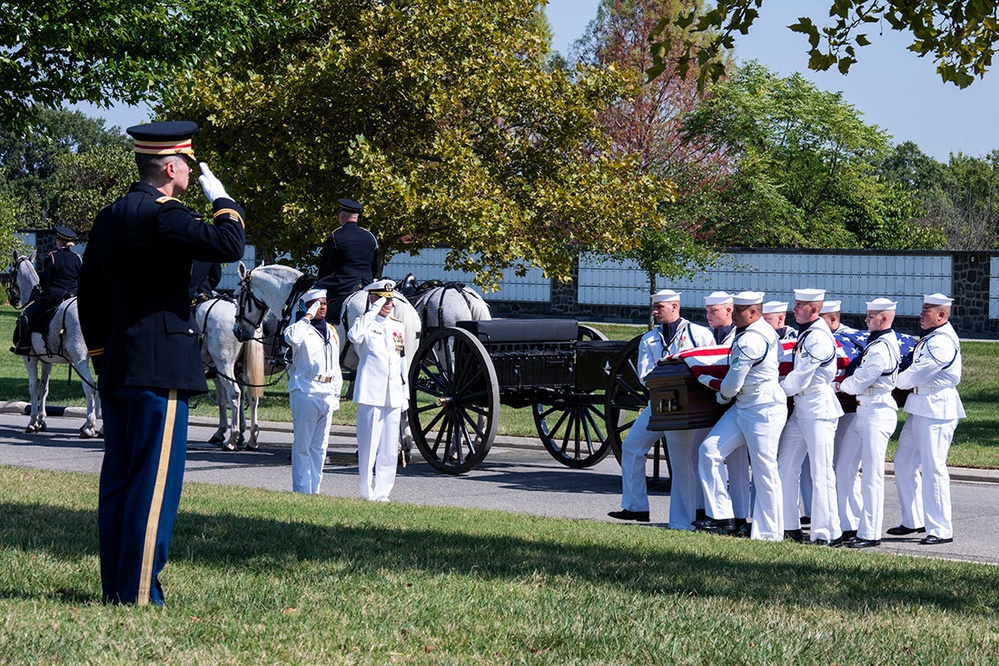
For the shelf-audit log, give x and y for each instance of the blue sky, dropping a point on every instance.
(890, 86)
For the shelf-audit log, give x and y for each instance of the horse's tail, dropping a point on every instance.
(253, 364)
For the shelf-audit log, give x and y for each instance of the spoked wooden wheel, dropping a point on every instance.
(454, 400)
(571, 423)
(626, 396)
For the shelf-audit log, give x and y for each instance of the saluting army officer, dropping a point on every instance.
(349, 258)
(934, 408)
(755, 421)
(135, 308)
(811, 428)
(877, 416)
(674, 334)
(379, 390)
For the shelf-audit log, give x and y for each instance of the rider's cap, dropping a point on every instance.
(165, 138)
(65, 233)
(381, 288)
(349, 206)
(312, 295)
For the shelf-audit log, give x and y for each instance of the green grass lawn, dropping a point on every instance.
(259, 577)
(976, 442)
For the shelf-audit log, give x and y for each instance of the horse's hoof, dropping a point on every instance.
(87, 432)
(252, 446)
(41, 427)
(31, 430)
(217, 439)
(228, 446)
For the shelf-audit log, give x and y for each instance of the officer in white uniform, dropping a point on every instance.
(877, 416)
(379, 391)
(934, 408)
(756, 421)
(673, 335)
(314, 383)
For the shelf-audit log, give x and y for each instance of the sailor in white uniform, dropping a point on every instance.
(674, 334)
(379, 391)
(934, 408)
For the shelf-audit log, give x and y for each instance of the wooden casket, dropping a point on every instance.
(680, 402)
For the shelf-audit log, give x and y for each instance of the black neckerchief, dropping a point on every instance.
(875, 335)
(668, 332)
(923, 332)
(321, 328)
(723, 331)
(805, 327)
(781, 332)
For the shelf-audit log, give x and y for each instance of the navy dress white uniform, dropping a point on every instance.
(755, 421)
(811, 427)
(314, 383)
(934, 408)
(135, 308)
(379, 391)
(349, 258)
(877, 417)
(662, 341)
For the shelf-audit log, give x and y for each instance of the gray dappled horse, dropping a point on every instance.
(61, 343)
(445, 303)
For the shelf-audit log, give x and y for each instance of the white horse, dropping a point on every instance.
(220, 349)
(61, 343)
(448, 303)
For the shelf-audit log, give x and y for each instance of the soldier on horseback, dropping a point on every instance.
(349, 259)
(57, 282)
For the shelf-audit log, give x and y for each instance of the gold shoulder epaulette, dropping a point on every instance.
(164, 199)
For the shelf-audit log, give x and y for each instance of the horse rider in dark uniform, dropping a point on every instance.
(135, 311)
(205, 277)
(349, 259)
(57, 282)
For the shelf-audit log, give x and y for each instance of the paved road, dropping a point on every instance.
(521, 479)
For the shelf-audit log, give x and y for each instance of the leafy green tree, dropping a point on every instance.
(805, 173)
(442, 116)
(12, 216)
(959, 35)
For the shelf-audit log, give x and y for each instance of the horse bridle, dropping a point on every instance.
(246, 294)
(14, 289)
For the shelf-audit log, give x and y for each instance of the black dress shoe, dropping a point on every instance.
(864, 543)
(844, 539)
(743, 530)
(724, 526)
(824, 543)
(806, 520)
(794, 535)
(625, 514)
(902, 530)
(934, 540)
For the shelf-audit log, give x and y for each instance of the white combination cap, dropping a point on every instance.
(881, 304)
(666, 295)
(717, 298)
(830, 306)
(809, 295)
(383, 288)
(772, 307)
(313, 294)
(936, 299)
(748, 298)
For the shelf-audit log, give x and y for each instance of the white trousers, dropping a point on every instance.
(875, 424)
(311, 418)
(814, 437)
(921, 474)
(758, 427)
(378, 437)
(846, 462)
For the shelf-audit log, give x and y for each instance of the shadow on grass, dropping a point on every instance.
(345, 536)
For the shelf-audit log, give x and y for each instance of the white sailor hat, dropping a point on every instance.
(313, 294)
(383, 288)
(881, 304)
(717, 298)
(809, 295)
(748, 298)
(830, 306)
(936, 299)
(665, 295)
(775, 307)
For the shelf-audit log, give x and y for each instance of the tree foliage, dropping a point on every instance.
(805, 174)
(959, 35)
(53, 51)
(441, 116)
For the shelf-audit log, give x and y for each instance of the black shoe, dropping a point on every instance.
(794, 535)
(806, 520)
(625, 514)
(902, 530)
(701, 514)
(724, 526)
(864, 543)
(934, 540)
(743, 528)
(844, 539)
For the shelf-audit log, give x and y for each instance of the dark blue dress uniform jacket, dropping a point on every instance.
(134, 288)
(349, 260)
(60, 274)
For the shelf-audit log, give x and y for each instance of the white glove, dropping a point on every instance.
(835, 386)
(379, 304)
(722, 400)
(313, 309)
(706, 380)
(210, 184)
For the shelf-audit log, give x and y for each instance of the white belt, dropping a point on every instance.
(875, 391)
(749, 389)
(929, 390)
(814, 388)
(322, 379)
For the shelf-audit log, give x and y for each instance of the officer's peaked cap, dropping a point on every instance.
(172, 137)
(349, 206)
